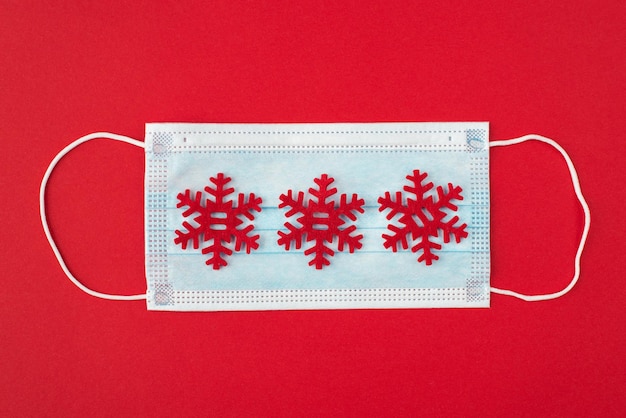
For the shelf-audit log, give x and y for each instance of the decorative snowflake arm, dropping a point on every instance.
(426, 246)
(296, 205)
(395, 206)
(193, 233)
(217, 249)
(244, 208)
(323, 182)
(242, 237)
(320, 250)
(194, 204)
(348, 209)
(295, 235)
(346, 238)
(399, 236)
(445, 200)
(450, 230)
(418, 189)
(219, 192)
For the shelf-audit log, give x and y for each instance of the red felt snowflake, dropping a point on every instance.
(321, 222)
(422, 217)
(218, 220)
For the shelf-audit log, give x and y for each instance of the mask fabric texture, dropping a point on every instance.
(316, 216)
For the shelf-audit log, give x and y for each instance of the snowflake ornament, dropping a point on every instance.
(218, 220)
(322, 220)
(422, 217)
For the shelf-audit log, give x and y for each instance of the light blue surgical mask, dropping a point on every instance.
(317, 216)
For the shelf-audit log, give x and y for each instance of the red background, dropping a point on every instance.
(554, 68)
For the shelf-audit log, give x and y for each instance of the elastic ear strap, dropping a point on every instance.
(44, 221)
(583, 203)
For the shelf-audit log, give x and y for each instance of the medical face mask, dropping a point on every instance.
(317, 216)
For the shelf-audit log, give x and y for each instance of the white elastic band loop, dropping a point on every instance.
(44, 221)
(583, 203)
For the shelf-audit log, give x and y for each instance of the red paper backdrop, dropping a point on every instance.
(67, 69)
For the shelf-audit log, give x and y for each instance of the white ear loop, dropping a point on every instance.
(44, 221)
(583, 203)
